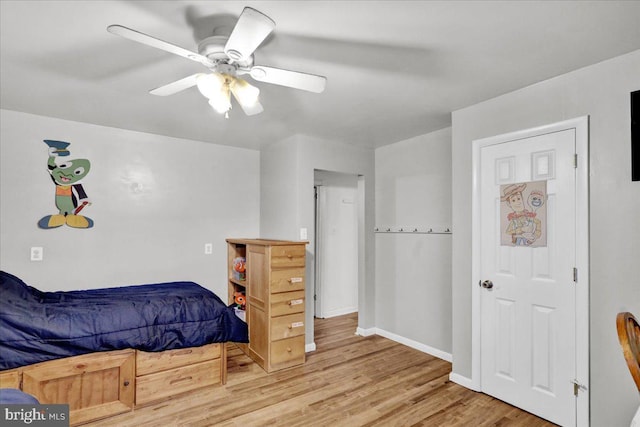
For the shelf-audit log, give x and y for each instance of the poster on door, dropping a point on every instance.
(523, 214)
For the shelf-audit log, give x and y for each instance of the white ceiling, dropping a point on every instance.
(395, 69)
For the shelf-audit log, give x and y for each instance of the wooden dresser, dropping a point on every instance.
(275, 299)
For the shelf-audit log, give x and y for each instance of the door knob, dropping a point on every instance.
(487, 284)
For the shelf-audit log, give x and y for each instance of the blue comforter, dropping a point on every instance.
(36, 326)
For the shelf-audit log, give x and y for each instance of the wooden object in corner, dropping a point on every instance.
(275, 291)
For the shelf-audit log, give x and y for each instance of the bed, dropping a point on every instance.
(105, 351)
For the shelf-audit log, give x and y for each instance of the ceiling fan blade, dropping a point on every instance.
(250, 30)
(139, 37)
(294, 79)
(175, 87)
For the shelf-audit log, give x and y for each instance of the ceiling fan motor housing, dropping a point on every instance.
(213, 48)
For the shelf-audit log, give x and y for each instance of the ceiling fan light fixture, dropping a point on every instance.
(245, 93)
(221, 102)
(210, 85)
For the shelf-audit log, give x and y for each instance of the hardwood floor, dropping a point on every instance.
(348, 381)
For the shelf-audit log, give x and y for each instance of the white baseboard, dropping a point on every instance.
(414, 344)
(456, 378)
(340, 312)
(365, 332)
(463, 381)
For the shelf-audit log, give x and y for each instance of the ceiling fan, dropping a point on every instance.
(227, 57)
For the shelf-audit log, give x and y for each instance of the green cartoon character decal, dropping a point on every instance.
(70, 195)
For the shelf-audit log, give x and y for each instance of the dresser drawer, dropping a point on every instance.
(287, 256)
(287, 326)
(290, 279)
(287, 352)
(161, 385)
(287, 303)
(150, 362)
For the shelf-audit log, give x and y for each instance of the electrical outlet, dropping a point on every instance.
(208, 248)
(37, 253)
(303, 233)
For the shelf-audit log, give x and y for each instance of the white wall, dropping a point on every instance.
(156, 202)
(287, 204)
(602, 92)
(279, 191)
(413, 271)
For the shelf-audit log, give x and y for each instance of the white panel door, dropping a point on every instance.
(527, 300)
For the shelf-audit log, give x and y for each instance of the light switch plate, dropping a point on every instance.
(303, 233)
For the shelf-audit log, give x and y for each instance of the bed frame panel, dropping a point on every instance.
(100, 385)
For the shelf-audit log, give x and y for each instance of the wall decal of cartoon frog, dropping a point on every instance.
(70, 197)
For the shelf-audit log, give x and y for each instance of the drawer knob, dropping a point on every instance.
(289, 349)
(126, 383)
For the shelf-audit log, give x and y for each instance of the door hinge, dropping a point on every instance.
(575, 275)
(577, 387)
(575, 160)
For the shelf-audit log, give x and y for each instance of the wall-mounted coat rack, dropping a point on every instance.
(413, 230)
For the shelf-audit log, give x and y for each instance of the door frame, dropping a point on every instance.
(319, 243)
(581, 127)
(325, 181)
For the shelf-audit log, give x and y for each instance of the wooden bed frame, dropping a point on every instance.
(100, 385)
